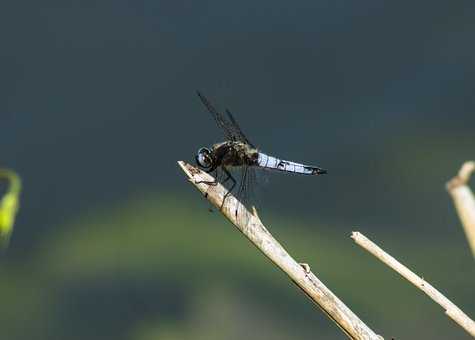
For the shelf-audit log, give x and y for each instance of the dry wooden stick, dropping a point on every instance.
(450, 309)
(251, 226)
(464, 201)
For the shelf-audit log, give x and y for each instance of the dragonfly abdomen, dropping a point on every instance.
(273, 163)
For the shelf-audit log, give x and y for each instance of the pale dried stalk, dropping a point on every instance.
(451, 310)
(251, 226)
(464, 201)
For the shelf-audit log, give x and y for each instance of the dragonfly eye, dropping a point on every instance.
(204, 158)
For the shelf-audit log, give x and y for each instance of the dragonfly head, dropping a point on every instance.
(205, 159)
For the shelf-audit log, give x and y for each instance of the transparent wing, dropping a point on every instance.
(218, 117)
(247, 184)
(228, 124)
(237, 130)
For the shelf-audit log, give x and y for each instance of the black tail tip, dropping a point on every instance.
(321, 171)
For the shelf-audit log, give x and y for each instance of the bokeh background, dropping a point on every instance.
(97, 103)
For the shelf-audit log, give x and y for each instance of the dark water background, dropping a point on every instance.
(97, 103)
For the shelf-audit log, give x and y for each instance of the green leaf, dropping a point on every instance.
(9, 205)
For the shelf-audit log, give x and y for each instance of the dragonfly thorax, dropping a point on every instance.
(234, 154)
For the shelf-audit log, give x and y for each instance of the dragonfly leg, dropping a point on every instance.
(229, 177)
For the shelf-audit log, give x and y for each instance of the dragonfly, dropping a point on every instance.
(236, 151)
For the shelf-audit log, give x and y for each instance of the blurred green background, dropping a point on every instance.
(97, 104)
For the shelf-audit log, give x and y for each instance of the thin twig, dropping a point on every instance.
(464, 201)
(251, 226)
(451, 310)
